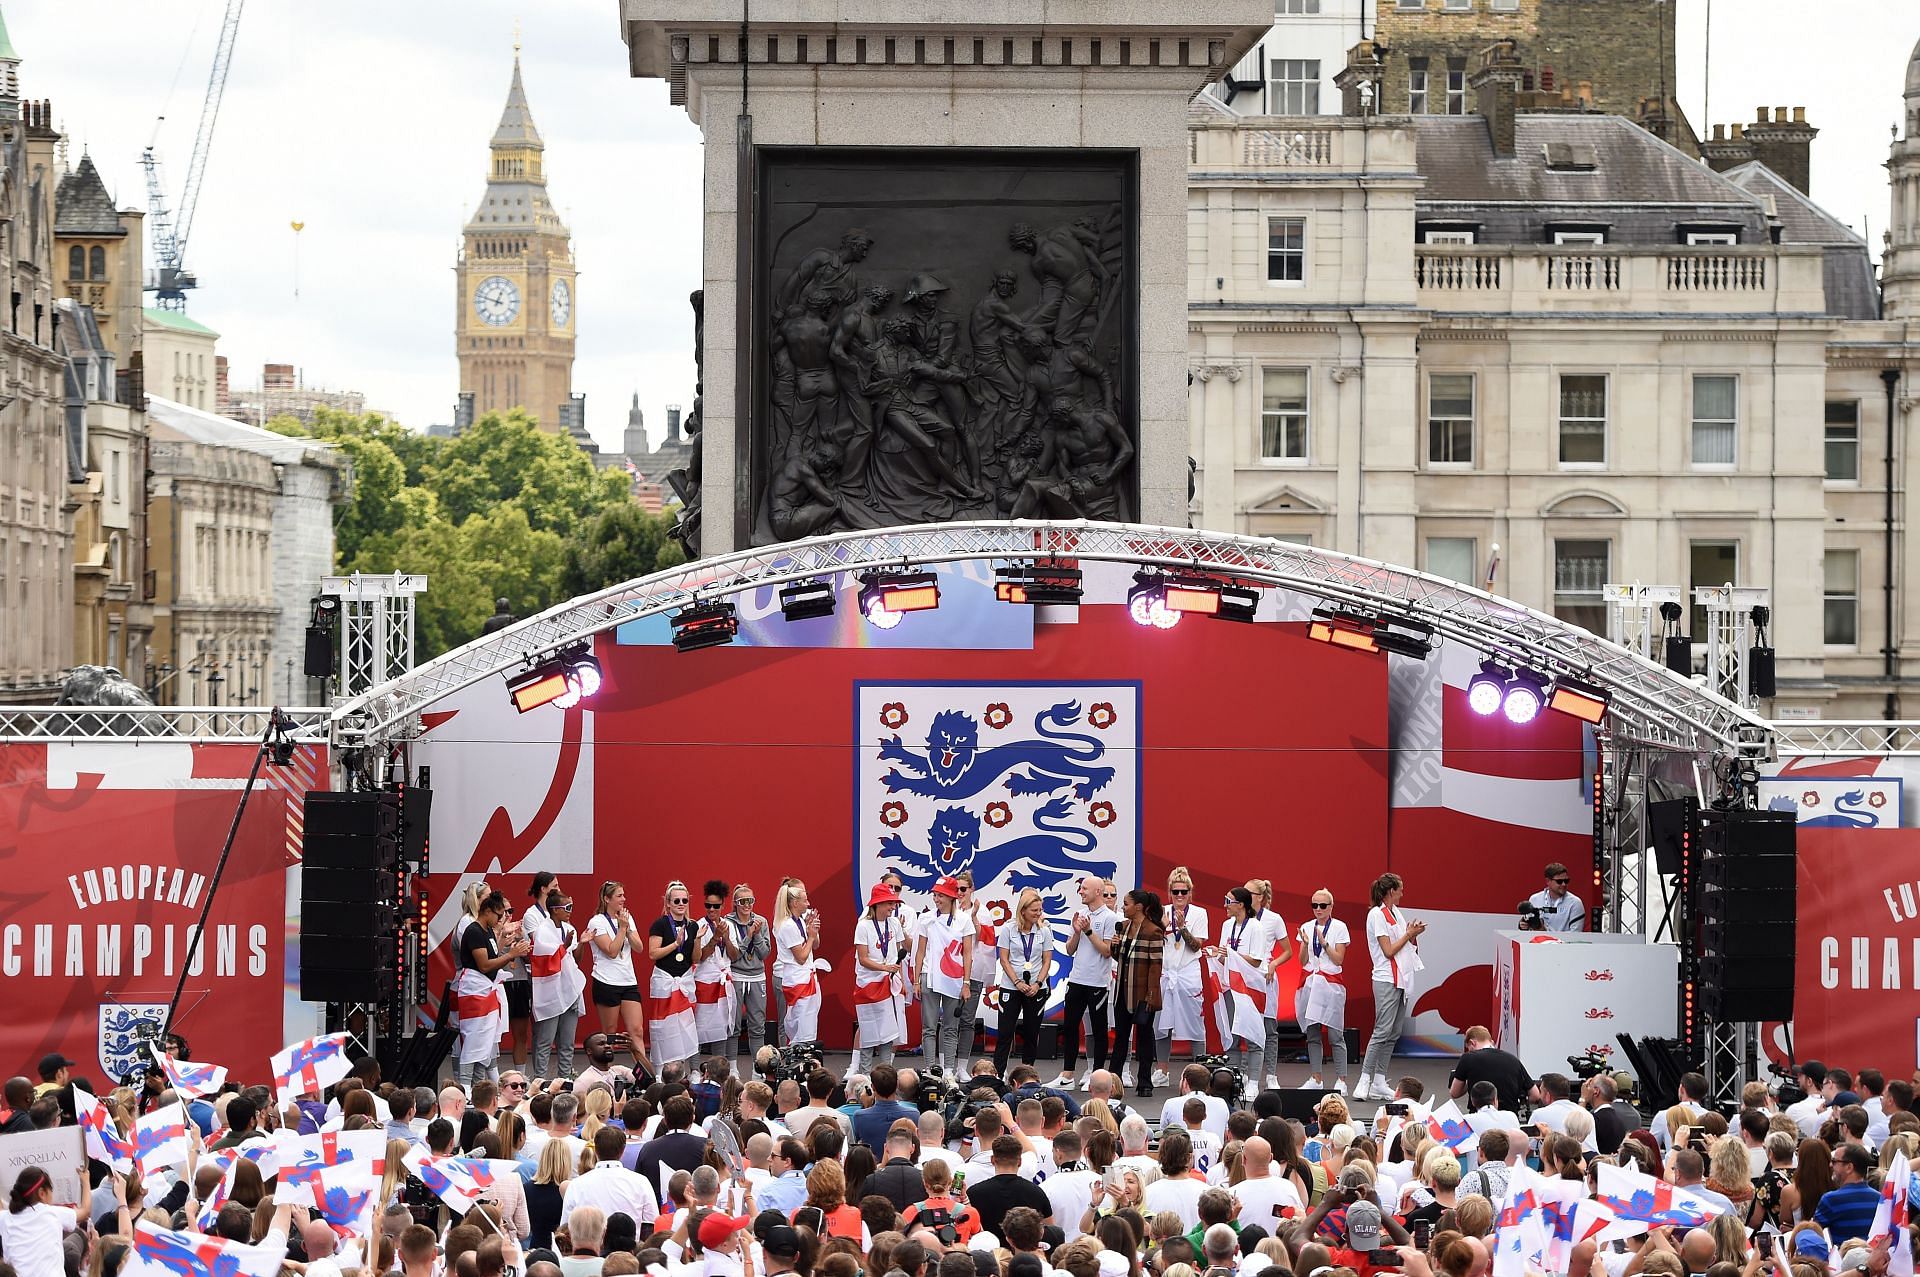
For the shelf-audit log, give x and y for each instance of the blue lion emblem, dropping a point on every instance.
(1053, 854)
(1849, 812)
(953, 766)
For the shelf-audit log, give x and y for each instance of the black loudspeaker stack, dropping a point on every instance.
(1746, 894)
(349, 881)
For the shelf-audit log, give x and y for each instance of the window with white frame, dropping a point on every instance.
(1583, 419)
(1843, 441)
(1447, 237)
(1293, 85)
(1456, 87)
(1417, 86)
(1296, 6)
(1411, 4)
(1283, 414)
(1455, 558)
(1697, 238)
(1286, 250)
(1716, 404)
(1506, 6)
(1450, 418)
(1579, 237)
(1842, 598)
(1580, 572)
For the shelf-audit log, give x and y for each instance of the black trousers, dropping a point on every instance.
(1089, 1000)
(1018, 1011)
(1138, 1025)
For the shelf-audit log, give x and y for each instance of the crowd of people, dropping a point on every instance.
(1141, 974)
(702, 1174)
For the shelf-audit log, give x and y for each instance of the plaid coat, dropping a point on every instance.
(1139, 950)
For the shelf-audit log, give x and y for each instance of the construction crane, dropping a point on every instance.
(171, 278)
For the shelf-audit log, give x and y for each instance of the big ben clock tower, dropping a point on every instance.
(516, 300)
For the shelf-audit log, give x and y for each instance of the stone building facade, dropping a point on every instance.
(1290, 71)
(98, 253)
(178, 357)
(1417, 337)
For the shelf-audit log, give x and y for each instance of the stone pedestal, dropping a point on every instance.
(1035, 151)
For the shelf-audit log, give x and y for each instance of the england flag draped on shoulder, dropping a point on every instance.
(879, 996)
(714, 997)
(1240, 1006)
(161, 1252)
(309, 1067)
(799, 979)
(558, 983)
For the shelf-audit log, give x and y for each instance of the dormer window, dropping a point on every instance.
(1571, 157)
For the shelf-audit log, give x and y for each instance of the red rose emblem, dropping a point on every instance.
(998, 814)
(1811, 798)
(1101, 814)
(1101, 715)
(1877, 799)
(893, 815)
(998, 715)
(894, 715)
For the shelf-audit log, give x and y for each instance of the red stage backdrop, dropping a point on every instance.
(1857, 948)
(1257, 753)
(110, 851)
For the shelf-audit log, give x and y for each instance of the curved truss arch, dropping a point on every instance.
(1651, 704)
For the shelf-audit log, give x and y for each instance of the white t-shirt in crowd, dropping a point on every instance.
(1261, 1200)
(1089, 966)
(616, 970)
(1181, 1196)
(1398, 969)
(1215, 1123)
(32, 1242)
(1178, 957)
(1335, 934)
(1071, 1192)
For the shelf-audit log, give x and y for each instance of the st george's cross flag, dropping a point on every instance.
(1448, 1125)
(1891, 1216)
(194, 1081)
(458, 1181)
(1638, 1196)
(160, 1140)
(309, 1067)
(310, 1165)
(161, 1252)
(104, 1141)
(1535, 1224)
(1241, 1000)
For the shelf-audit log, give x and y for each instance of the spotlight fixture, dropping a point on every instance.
(1488, 688)
(1147, 601)
(1044, 581)
(1525, 695)
(1405, 638)
(563, 679)
(704, 624)
(804, 600)
(886, 597)
(1343, 629)
(1582, 700)
(1238, 602)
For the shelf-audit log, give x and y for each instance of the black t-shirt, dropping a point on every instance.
(1490, 1064)
(476, 937)
(994, 1196)
(680, 961)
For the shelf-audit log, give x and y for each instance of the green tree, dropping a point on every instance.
(620, 543)
(508, 459)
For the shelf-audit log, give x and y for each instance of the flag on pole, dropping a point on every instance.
(1631, 1194)
(309, 1067)
(104, 1141)
(311, 1165)
(161, 1252)
(160, 1139)
(1891, 1216)
(1536, 1223)
(1448, 1125)
(458, 1181)
(191, 1080)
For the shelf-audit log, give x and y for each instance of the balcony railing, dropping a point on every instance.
(1760, 279)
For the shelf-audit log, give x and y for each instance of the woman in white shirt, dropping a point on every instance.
(1279, 953)
(1392, 943)
(1242, 934)
(616, 990)
(1026, 954)
(943, 956)
(1321, 1002)
(986, 961)
(1182, 1014)
(32, 1228)
(879, 949)
(796, 937)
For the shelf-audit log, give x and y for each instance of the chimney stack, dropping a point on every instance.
(1495, 86)
(1785, 144)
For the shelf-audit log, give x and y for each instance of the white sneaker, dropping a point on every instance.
(1360, 1087)
(1313, 1084)
(1126, 1076)
(1273, 1081)
(1065, 1082)
(1161, 1079)
(1341, 1086)
(1086, 1081)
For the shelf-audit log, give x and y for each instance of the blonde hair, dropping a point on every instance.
(1029, 895)
(1728, 1165)
(470, 898)
(555, 1166)
(598, 1105)
(1261, 887)
(607, 890)
(782, 900)
(666, 896)
(396, 1176)
(1180, 873)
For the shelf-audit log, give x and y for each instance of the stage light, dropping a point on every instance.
(1487, 689)
(1238, 602)
(1581, 700)
(563, 679)
(1147, 602)
(804, 600)
(1343, 629)
(886, 597)
(1406, 638)
(1525, 695)
(583, 676)
(1192, 596)
(1046, 581)
(704, 624)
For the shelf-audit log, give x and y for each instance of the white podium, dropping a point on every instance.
(1562, 994)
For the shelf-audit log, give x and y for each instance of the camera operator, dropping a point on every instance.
(1482, 1061)
(1560, 909)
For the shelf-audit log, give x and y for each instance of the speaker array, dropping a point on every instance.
(349, 922)
(1746, 894)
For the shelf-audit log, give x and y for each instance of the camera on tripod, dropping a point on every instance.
(1590, 1065)
(1783, 1088)
(1217, 1064)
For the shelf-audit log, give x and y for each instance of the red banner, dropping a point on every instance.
(1857, 948)
(110, 851)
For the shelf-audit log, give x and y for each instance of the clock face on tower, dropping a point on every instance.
(496, 301)
(562, 303)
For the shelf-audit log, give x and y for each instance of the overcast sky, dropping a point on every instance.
(369, 123)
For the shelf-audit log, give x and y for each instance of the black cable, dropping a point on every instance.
(276, 723)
